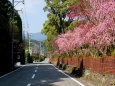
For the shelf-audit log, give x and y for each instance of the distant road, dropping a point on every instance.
(38, 74)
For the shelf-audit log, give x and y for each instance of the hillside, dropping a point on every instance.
(37, 36)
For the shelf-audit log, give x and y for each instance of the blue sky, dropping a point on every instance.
(33, 15)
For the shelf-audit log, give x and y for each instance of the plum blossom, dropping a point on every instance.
(97, 31)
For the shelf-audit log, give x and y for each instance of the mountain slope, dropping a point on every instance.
(38, 36)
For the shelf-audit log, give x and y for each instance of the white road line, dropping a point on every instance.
(28, 84)
(33, 76)
(36, 67)
(69, 76)
(11, 72)
(35, 71)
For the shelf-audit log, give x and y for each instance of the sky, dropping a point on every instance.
(33, 15)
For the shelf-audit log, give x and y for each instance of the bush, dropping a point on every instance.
(28, 58)
(113, 53)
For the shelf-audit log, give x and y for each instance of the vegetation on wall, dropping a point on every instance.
(6, 32)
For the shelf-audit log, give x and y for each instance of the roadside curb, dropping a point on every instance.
(78, 82)
(11, 72)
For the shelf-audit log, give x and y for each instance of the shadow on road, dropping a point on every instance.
(46, 75)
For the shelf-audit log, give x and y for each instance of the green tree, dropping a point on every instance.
(57, 22)
(58, 10)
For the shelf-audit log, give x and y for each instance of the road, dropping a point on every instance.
(38, 74)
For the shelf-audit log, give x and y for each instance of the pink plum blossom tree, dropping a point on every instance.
(98, 30)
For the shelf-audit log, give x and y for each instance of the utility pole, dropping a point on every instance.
(29, 42)
(12, 55)
(40, 47)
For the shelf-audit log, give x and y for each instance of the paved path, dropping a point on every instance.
(38, 74)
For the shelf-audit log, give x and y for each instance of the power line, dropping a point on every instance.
(26, 18)
(28, 33)
(12, 56)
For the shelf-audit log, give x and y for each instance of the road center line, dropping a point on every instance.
(33, 76)
(69, 76)
(36, 67)
(28, 84)
(35, 71)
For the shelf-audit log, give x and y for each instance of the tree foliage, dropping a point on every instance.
(6, 32)
(98, 30)
(57, 22)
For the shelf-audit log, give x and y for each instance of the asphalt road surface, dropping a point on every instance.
(38, 74)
